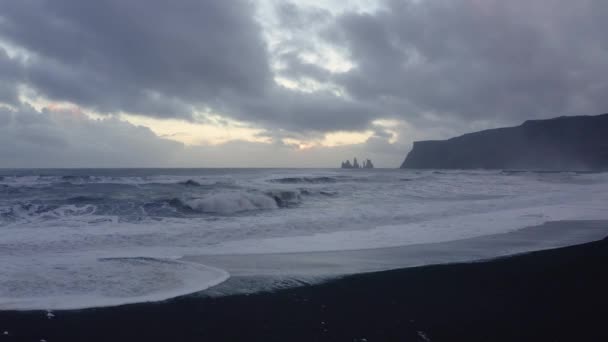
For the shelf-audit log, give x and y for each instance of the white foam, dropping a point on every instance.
(55, 262)
(55, 284)
(33, 180)
(432, 231)
(26, 180)
(231, 202)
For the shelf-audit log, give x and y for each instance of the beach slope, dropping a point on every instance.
(551, 295)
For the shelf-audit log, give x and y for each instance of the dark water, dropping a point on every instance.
(94, 237)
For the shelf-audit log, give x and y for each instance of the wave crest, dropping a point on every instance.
(228, 202)
(306, 180)
(28, 212)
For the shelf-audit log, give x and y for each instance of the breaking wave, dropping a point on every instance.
(227, 203)
(190, 182)
(82, 238)
(31, 212)
(308, 180)
(235, 202)
(136, 208)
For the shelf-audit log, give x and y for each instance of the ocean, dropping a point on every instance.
(78, 238)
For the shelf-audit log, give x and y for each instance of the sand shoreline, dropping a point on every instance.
(263, 272)
(557, 294)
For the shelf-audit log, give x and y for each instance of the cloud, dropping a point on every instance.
(297, 111)
(69, 138)
(149, 57)
(29, 138)
(436, 67)
(166, 60)
(301, 17)
(503, 61)
(296, 68)
(11, 74)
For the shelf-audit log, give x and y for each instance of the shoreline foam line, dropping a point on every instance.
(108, 282)
(262, 272)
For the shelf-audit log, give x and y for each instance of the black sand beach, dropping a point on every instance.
(552, 295)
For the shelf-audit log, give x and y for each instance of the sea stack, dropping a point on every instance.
(367, 164)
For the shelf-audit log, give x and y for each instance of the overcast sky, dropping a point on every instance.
(201, 83)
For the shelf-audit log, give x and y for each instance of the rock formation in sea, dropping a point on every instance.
(347, 165)
(367, 164)
(563, 143)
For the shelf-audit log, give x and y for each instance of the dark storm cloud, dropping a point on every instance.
(29, 138)
(296, 68)
(164, 59)
(320, 111)
(151, 57)
(458, 61)
(492, 60)
(11, 74)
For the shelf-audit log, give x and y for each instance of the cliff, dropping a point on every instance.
(563, 143)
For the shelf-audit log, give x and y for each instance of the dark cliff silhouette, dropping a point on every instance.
(347, 165)
(367, 164)
(563, 143)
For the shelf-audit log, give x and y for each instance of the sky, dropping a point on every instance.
(269, 83)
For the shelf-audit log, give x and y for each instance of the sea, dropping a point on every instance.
(81, 238)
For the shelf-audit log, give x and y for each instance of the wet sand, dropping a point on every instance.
(255, 272)
(550, 295)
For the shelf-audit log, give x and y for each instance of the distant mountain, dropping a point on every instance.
(563, 143)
